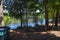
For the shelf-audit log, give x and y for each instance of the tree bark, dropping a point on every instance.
(1, 12)
(46, 14)
(26, 19)
(21, 21)
(56, 19)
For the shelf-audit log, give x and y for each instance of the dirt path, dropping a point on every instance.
(49, 35)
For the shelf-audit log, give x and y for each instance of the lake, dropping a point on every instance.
(15, 25)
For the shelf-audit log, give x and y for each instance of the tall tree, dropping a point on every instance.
(19, 10)
(57, 7)
(46, 13)
(1, 12)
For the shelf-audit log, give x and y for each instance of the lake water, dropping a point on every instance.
(15, 25)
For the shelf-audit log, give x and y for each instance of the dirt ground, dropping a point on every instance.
(49, 35)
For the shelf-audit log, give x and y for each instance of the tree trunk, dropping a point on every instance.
(46, 14)
(1, 13)
(21, 21)
(26, 19)
(56, 19)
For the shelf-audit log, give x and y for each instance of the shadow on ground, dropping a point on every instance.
(33, 36)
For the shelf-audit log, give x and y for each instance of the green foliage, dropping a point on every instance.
(32, 6)
(7, 20)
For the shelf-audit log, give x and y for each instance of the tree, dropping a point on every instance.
(57, 7)
(19, 10)
(21, 7)
(33, 6)
(1, 12)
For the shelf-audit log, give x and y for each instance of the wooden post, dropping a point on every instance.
(1, 12)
